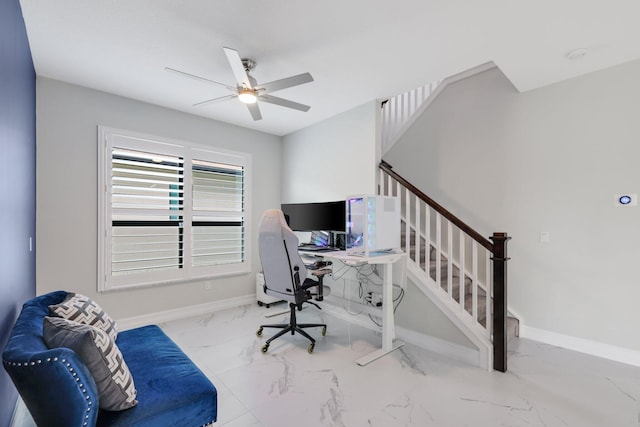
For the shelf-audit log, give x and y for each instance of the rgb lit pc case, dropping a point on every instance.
(373, 225)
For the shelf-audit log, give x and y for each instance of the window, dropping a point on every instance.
(169, 211)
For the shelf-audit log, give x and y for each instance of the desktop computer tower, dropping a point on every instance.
(261, 297)
(373, 224)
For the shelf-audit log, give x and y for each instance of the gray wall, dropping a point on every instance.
(546, 160)
(331, 159)
(67, 120)
(418, 313)
(17, 181)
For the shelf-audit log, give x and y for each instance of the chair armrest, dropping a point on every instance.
(321, 272)
(56, 387)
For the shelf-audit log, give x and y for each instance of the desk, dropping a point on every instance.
(388, 323)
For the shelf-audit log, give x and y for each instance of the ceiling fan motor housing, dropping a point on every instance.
(249, 64)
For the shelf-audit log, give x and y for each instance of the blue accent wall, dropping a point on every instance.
(17, 181)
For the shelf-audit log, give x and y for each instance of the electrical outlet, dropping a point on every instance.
(208, 285)
(374, 299)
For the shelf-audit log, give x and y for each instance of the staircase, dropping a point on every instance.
(458, 269)
(441, 279)
(462, 272)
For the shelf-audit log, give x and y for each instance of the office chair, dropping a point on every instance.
(285, 275)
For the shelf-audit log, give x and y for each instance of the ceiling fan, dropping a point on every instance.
(247, 90)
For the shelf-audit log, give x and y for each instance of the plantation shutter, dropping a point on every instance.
(169, 211)
(218, 229)
(147, 199)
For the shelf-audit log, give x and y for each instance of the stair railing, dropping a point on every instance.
(398, 110)
(467, 270)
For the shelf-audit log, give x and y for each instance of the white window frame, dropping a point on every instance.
(108, 138)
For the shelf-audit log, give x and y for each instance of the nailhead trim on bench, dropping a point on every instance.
(73, 373)
(71, 370)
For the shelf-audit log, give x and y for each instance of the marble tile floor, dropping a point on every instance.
(545, 386)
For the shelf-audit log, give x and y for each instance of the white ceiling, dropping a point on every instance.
(356, 50)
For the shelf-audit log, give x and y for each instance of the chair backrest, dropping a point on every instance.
(278, 248)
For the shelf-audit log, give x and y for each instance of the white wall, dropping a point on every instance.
(546, 160)
(332, 159)
(67, 120)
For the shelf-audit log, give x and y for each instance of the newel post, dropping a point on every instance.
(500, 259)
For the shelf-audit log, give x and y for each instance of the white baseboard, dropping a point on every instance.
(184, 312)
(593, 348)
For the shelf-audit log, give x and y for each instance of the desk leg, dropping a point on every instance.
(388, 323)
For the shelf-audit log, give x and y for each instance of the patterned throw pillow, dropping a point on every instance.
(102, 357)
(83, 310)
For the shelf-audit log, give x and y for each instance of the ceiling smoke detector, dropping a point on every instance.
(577, 53)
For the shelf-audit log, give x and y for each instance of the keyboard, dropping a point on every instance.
(314, 248)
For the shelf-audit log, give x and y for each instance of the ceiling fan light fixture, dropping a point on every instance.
(247, 96)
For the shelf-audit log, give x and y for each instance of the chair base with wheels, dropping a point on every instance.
(293, 326)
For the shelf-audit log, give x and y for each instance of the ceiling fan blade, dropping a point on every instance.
(238, 69)
(212, 100)
(255, 111)
(286, 82)
(202, 79)
(284, 102)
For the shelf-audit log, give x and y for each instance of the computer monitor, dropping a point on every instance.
(326, 216)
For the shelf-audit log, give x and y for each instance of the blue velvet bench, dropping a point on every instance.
(59, 390)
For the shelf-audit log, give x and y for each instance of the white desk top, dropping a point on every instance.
(388, 257)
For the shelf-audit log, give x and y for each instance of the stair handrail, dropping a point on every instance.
(498, 249)
(437, 207)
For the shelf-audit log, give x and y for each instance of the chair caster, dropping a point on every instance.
(324, 330)
(259, 332)
(265, 348)
(310, 348)
(260, 303)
